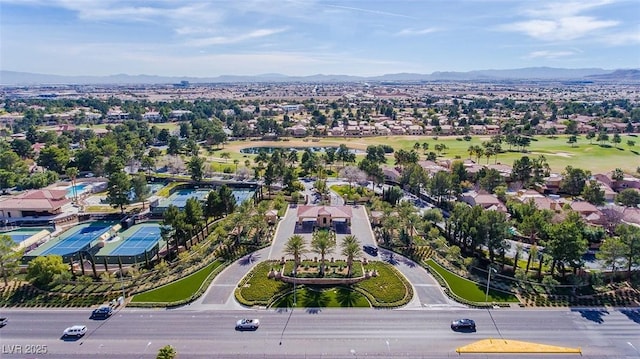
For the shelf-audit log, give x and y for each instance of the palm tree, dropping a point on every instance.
(390, 224)
(322, 243)
(350, 249)
(471, 150)
(296, 247)
(72, 172)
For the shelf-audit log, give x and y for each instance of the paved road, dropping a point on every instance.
(220, 294)
(287, 227)
(427, 291)
(326, 333)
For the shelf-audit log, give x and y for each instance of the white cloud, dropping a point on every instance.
(622, 38)
(219, 40)
(564, 29)
(564, 9)
(549, 54)
(561, 21)
(376, 12)
(416, 32)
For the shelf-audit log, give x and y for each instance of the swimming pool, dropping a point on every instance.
(80, 188)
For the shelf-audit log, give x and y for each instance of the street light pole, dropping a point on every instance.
(122, 283)
(486, 295)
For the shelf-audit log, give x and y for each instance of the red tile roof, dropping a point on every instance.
(333, 211)
(37, 200)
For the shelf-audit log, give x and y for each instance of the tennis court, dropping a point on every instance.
(242, 195)
(138, 239)
(179, 198)
(22, 234)
(78, 238)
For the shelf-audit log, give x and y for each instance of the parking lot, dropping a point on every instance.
(360, 228)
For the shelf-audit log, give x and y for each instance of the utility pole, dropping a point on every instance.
(486, 295)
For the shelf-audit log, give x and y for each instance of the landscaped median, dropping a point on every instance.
(386, 290)
(179, 292)
(466, 291)
(389, 289)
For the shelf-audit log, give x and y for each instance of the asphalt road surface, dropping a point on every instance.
(316, 333)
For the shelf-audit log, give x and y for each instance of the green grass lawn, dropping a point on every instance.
(387, 288)
(258, 288)
(469, 290)
(178, 290)
(559, 154)
(318, 297)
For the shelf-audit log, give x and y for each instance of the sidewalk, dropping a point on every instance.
(220, 294)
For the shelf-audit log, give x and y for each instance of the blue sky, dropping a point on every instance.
(306, 37)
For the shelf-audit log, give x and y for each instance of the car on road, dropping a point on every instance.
(75, 331)
(370, 249)
(463, 324)
(247, 324)
(103, 312)
(4, 321)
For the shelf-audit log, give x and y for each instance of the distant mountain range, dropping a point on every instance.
(13, 78)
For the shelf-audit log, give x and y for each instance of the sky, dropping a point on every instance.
(306, 37)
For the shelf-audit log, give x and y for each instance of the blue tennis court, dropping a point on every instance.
(78, 238)
(242, 195)
(180, 197)
(145, 238)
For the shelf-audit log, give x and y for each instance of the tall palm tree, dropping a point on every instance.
(350, 249)
(322, 243)
(296, 247)
(72, 172)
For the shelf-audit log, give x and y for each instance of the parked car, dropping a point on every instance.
(370, 249)
(104, 311)
(75, 331)
(3, 322)
(247, 324)
(463, 324)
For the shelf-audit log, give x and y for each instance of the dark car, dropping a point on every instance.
(3, 321)
(463, 324)
(370, 249)
(102, 313)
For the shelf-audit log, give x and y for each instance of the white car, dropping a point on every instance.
(75, 331)
(247, 324)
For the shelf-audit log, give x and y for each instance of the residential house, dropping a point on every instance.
(390, 173)
(552, 184)
(337, 131)
(298, 131)
(152, 116)
(431, 167)
(484, 200)
(415, 130)
(631, 216)
(589, 212)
